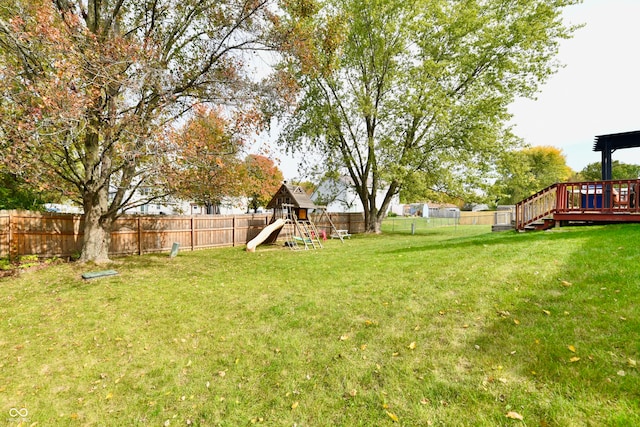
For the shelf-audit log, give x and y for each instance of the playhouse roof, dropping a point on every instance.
(292, 195)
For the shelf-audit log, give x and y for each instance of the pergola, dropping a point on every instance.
(607, 144)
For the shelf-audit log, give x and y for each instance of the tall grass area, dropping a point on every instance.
(447, 327)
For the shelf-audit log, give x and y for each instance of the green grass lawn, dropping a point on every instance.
(451, 326)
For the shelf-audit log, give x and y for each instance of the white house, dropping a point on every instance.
(339, 195)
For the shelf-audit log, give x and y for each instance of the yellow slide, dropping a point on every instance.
(266, 232)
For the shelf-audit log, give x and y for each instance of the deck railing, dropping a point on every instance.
(616, 196)
(536, 207)
(595, 198)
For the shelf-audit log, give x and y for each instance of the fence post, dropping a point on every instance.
(139, 237)
(233, 232)
(13, 247)
(192, 234)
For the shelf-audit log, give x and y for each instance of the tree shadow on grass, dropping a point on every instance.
(503, 238)
(562, 350)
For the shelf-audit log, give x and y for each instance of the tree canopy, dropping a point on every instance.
(207, 165)
(16, 193)
(390, 88)
(619, 170)
(524, 172)
(89, 86)
(263, 180)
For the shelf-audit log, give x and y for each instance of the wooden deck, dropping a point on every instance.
(581, 202)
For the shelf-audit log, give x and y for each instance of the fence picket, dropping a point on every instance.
(52, 234)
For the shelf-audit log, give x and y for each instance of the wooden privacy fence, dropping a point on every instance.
(48, 234)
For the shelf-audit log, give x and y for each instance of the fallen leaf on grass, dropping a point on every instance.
(571, 348)
(622, 373)
(295, 404)
(547, 312)
(574, 359)
(566, 284)
(412, 346)
(516, 321)
(514, 415)
(393, 416)
(631, 362)
(344, 337)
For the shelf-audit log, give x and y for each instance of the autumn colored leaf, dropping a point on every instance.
(566, 284)
(516, 321)
(571, 348)
(574, 359)
(393, 416)
(547, 312)
(514, 415)
(412, 346)
(295, 404)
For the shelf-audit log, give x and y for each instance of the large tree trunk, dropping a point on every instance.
(97, 228)
(372, 221)
(373, 214)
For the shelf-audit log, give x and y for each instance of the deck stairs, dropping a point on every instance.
(536, 212)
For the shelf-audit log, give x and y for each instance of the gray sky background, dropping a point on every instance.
(596, 92)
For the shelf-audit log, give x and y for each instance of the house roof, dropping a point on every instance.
(293, 195)
(615, 141)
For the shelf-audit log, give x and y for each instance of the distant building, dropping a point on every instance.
(428, 210)
(339, 195)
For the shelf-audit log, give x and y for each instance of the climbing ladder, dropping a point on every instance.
(300, 233)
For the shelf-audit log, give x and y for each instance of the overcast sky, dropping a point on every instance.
(596, 92)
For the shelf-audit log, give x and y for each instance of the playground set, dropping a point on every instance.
(291, 217)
